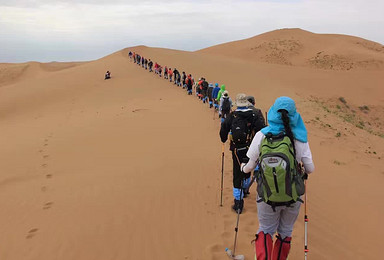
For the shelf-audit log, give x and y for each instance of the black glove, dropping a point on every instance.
(305, 176)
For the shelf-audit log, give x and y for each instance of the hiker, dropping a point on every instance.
(150, 64)
(107, 75)
(142, 62)
(243, 125)
(156, 68)
(184, 77)
(165, 72)
(278, 211)
(198, 88)
(222, 89)
(177, 77)
(134, 57)
(145, 63)
(225, 106)
(160, 70)
(204, 90)
(130, 55)
(170, 73)
(189, 84)
(215, 92)
(209, 94)
(257, 111)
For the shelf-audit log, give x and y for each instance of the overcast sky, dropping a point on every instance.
(75, 30)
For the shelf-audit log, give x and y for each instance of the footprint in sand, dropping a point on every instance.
(46, 156)
(32, 233)
(48, 176)
(44, 188)
(45, 144)
(40, 151)
(48, 205)
(44, 165)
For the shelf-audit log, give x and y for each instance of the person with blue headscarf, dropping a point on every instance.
(282, 118)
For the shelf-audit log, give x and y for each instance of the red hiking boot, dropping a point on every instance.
(281, 248)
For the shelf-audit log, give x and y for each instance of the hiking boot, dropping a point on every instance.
(246, 193)
(239, 204)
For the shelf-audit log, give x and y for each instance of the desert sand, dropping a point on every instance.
(129, 168)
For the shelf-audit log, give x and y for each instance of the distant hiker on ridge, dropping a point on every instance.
(215, 92)
(209, 94)
(150, 64)
(165, 72)
(107, 75)
(225, 105)
(189, 84)
(184, 78)
(170, 73)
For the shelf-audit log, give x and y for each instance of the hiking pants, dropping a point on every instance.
(238, 176)
(281, 220)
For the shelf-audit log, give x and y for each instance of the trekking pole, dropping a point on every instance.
(266, 118)
(237, 221)
(305, 222)
(222, 174)
(231, 254)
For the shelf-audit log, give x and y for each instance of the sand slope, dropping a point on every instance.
(130, 167)
(302, 48)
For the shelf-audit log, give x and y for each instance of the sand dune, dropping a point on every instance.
(11, 73)
(129, 168)
(302, 48)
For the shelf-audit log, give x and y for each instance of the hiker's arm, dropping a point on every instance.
(305, 156)
(253, 153)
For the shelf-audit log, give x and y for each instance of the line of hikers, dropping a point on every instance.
(209, 93)
(276, 151)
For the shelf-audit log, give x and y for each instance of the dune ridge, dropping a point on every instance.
(296, 47)
(130, 167)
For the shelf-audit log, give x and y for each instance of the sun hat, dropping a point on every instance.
(241, 100)
(275, 123)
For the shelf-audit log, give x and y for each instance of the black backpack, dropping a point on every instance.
(204, 84)
(226, 106)
(241, 128)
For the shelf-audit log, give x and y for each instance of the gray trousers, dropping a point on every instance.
(281, 221)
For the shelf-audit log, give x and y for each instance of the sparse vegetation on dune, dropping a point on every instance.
(363, 117)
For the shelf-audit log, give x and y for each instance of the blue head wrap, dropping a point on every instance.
(275, 122)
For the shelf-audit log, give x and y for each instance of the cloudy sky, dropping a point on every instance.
(74, 30)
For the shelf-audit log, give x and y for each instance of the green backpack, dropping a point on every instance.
(279, 181)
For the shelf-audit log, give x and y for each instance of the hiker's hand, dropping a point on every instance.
(242, 167)
(305, 176)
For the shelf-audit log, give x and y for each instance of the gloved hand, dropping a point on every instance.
(242, 167)
(305, 176)
(219, 115)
